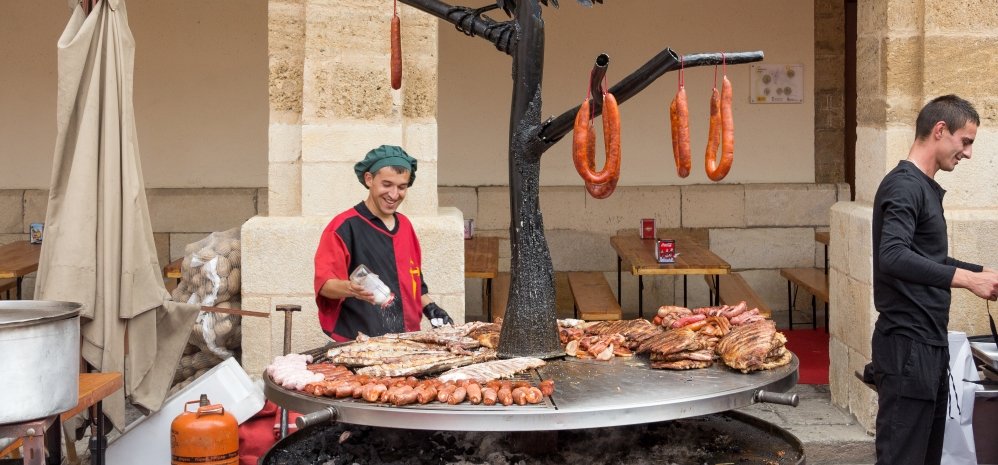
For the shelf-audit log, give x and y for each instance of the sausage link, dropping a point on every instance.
(520, 395)
(534, 395)
(727, 132)
(599, 184)
(474, 393)
(680, 116)
(457, 396)
(583, 141)
(547, 387)
(713, 135)
(505, 396)
(489, 396)
(396, 52)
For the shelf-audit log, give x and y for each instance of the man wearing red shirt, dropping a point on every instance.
(375, 235)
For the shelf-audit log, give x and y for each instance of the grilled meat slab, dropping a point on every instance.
(754, 346)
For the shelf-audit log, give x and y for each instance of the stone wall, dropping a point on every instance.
(757, 228)
(179, 216)
(330, 103)
(907, 54)
(829, 91)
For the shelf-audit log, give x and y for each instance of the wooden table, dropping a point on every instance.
(691, 258)
(172, 270)
(18, 259)
(94, 387)
(823, 237)
(481, 260)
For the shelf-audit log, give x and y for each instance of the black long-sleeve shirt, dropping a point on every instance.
(912, 272)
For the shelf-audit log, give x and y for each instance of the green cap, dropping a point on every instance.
(386, 155)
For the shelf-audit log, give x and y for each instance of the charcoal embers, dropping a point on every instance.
(703, 440)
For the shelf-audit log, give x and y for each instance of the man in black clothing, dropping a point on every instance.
(912, 277)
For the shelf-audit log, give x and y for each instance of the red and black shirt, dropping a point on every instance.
(358, 237)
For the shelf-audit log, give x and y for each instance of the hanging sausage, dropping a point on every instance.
(679, 116)
(599, 184)
(396, 49)
(722, 129)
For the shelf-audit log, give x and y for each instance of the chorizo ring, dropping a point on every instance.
(584, 142)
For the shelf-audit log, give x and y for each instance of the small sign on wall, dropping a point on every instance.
(777, 83)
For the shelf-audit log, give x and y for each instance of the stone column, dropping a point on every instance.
(331, 102)
(907, 54)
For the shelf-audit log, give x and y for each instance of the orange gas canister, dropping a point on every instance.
(208, 436)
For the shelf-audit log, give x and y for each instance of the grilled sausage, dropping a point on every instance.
(489, 396)
(520, 395)
(474, 393)
(457, 396)
(547, 387)
(396, 52)
(534, 395)
(680, 117)
(505, 396)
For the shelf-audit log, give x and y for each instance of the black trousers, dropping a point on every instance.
(911, 380)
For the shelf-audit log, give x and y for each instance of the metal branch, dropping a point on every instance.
(667, 60)
(500, 34)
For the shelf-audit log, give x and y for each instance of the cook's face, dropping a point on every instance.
(956, 146)
(387, 190)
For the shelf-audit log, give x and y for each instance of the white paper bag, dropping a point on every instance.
(958, 443)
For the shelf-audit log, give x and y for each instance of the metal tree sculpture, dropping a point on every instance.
(530, 323)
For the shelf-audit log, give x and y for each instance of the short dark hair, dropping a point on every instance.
(950, 109)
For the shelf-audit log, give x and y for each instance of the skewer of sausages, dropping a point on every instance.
(396, 50)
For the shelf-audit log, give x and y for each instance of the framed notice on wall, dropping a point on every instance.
(777, 83)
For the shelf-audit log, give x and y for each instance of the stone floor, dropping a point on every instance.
(830, 435)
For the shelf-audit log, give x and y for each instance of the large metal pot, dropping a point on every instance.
(40, 356)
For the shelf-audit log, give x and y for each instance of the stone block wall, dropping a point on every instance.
(907, 54)
(757, 228)
(179, 216)
(829, 91)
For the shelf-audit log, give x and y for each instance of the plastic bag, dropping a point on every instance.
(210, 272)
(958, 441)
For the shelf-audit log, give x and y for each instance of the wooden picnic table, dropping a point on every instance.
(692, 258)
(18, 259)
(481, 260)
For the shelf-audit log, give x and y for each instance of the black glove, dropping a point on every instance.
(437, 316)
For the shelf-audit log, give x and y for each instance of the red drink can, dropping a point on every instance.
(647, 229)
(665, 251)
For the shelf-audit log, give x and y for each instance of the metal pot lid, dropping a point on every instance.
(16, 313)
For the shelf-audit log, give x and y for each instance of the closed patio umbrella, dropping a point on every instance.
(99, 247)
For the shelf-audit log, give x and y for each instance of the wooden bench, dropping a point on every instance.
(6, 286)
(594, 300)
(814, 281)
(735, 289)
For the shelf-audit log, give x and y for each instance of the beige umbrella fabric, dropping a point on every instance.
(99, 247)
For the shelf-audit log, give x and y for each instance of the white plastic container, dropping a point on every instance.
(147, 440)
(370, 281)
